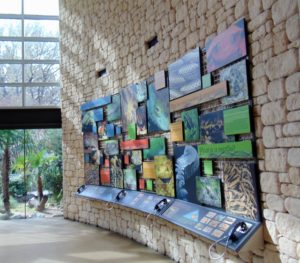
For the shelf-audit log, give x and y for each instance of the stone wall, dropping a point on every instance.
(111, 34)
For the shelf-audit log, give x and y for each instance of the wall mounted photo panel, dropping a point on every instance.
(240, 189)
(116, 171)
(102, 131)
(187, 167)
(98, 114)
(95, 157)
(149, 170)
(136, 157)
(131, 135)
(212, 128)
(208, 167)
(149, 185)
(140, 90)
(129, 105)
(160, 80)
(118, 130)
(228, 46)
(126, 156)
(158, 109)
(110, 130)
(157, 147)
(164, 176)
(130, 179)
(242, 149)
(237, 120)
(208, 191)
(236, 75)
(114, 108)
(91, 174)
(176, 129)
(185, 74)
(95, 103)
(141, 120)
(88, 122)
(111, 147)
(190, 120)
(105, 176)
(201, 96)
(90, 142)
(135, 144)
(142, 185)
(207, 81)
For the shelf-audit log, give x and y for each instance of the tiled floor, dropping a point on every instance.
(58, 240)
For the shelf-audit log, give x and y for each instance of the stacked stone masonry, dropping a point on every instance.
(112, 34)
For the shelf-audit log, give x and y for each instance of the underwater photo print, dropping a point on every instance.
(140, 90)
(185, 74)
(90, 142)
(130, 179)
(208, 191)
(91, 174)
(114, 108)
(187, 167)
(141, 120)
(164, 176)
(157, 147)
(241, 197)
(116, 171)
(88, 122)
(158, 109)
(190, 120)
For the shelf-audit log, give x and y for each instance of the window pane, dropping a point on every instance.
(41, 50)
(41, 28)
(10, 27)
(41, 73)
(10, 96)
(42, 96)
(10, 6)
(40, 7)
(10, 73)
(10, 50)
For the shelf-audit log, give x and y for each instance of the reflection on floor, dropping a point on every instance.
(57, 240)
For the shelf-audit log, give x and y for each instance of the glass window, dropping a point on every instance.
(41, 73)
(10, 50)
(40, 7)
(46, 96)
(10, 28)
(41, 50)
(10, 73)
(10, 96)
(10, 6)
(41, 28)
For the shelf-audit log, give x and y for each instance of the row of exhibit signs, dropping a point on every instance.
(155, 135)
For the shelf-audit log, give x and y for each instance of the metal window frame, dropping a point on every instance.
(22, 17)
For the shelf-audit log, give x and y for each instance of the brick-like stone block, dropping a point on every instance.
(273, 113)
(293, 116)
(269, 137)
(275, 202)
(269, 183)
(259, 20)
(240, 9)
(288, 226)
(290, 190)
(270, 232)
(293, 102)
(287, 246)
(283, 9)
(294, 175)
(294, 157)
(267, 4)
(276, 160)
(291, 129)
(292, 206)
(292, 83)
(254, 7)
(276, 90)
(259, 86)
(282, 65)
(293, 28)
(271, 256)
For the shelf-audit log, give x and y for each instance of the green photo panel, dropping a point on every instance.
(206, 81)
(157, 147)
(208, 167)
(131, 131)
(241, 149)
(237, 120)
(190, 120)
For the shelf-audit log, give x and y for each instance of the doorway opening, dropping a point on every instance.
(31, 173)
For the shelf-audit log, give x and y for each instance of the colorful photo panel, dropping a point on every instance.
(141, 120)
(176, 129)
(91, 174)
(102, 131)
(90, 142)
(110, 130)
(187, 168)
(185, 74)
(105, 176)
(241, 197)
(207, 81)
(208, 191)
(157, 147)
(236, 76)
(111, 147)
(164, 176)
(114, 109)
(130, 179)
(149, 170)
(190, 120)
(131, 131)
(140, 90)
(135, 144)
(88, 122)
(158, 109)
(226, 47)
(116, 171)
(160, 80)
(98, 114)
(212, 128)
(129, 105)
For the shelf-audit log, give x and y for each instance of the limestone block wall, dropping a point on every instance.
(111, 34)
